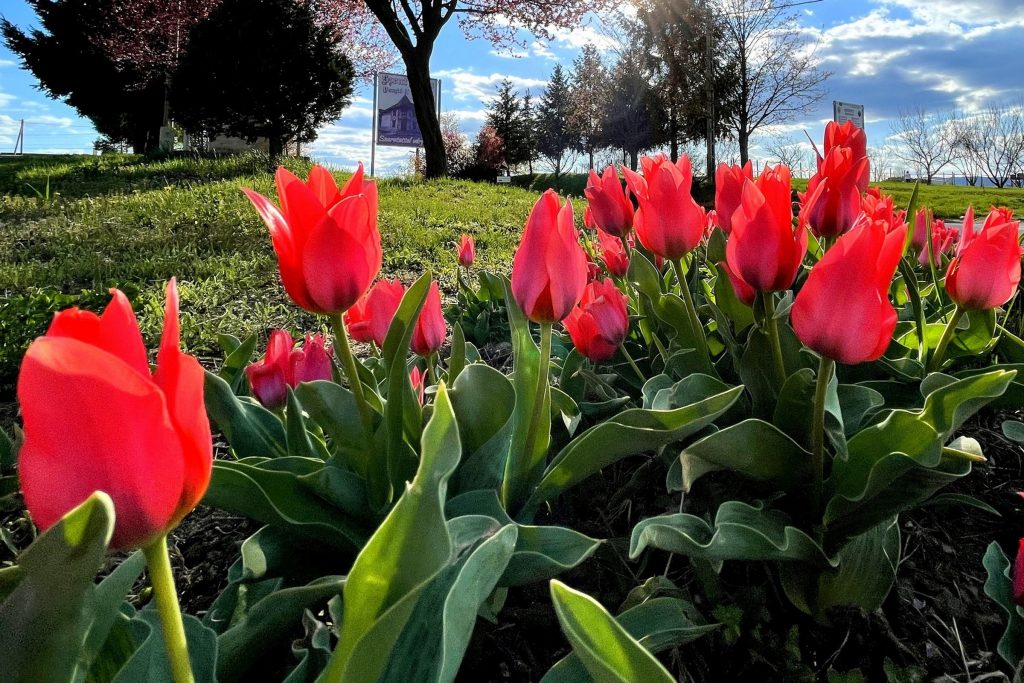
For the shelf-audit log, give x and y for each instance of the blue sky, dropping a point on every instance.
(887, 54)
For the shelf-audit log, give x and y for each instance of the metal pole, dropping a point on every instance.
(373, 130)
(20, 142)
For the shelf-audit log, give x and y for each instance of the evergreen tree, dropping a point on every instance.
(555, 136)
(589, 84)
(630, 117)
(507, 116)
(530, 117)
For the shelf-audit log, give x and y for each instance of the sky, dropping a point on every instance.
(889, 55)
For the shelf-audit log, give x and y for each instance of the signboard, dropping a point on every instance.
(844, 111)
(395, 122)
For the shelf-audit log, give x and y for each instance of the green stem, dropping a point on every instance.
(910, 281)
(772, 328)
(348, 363)
(825, 368)
(632, 364)
(947, 336)
(162, 578)
(931, 257)
(691, 312)
(431, 369)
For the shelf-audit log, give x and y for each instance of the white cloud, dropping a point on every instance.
(464, 85)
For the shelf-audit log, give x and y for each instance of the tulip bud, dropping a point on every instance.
(370, 319)
(418, 378)
(832, 201)
(986, 269)
(326, 239)
(467, 251)
(431, 329)
(854, 138)
(96, 419)
(599, 323)
(610, 209)
(729, 182)
(549, 270)
(284, 366)
(843, 310)
(668, 222)
(613, 253)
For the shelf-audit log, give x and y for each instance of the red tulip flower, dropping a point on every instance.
(613, 253)
(729, 181)
(97, 419)
(285, 366)
(943, 239)
(326, 239)
(880, 209)
(843, 310)
(986, 269)
(370, 319)
(669, 222)
(431, 329)
(598, 325)
(744, 292)
(921, 229)
(467, 251)
(856, 140)
(832, 201)
(763, 248)
(418, 379)
(549, 270)
(610, 208)
(588, 219)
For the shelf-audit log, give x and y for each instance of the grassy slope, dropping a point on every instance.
(120, 222)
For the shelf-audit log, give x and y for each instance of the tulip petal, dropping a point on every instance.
(323, 185)
(116, 331)
(340, 259)
(299, 204)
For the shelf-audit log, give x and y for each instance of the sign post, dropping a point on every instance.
(394, 116)
(844, 111)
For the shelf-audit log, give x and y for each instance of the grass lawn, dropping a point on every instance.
(120, 221)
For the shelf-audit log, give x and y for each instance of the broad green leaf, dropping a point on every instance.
(251, 429)
(333, 408)
(607, 651)
(45, 616)
(457, 355)
(103, 607)
(1014, 430)
(753, 448)
(149, 660)
(483, 400)
(1013, 397)
(628, 433)
(239, 353)
(299, 443)
(740, 532)
(405, 553)
(738, 312)
(999, 587)
(8, 453)
(946, 409)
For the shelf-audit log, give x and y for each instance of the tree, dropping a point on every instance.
(62, 55)
(787, 151)
(588, 92)
(508, 116)
(530, 124)
(991, 143)
(555, 137)
(489, 149)
(415, 25)
(925, 141)
(456, 145)
(238, 75)
(777, 76)
(629, 117)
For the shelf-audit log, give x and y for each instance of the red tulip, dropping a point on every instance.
(843, 310)
(669, 222)
(370, 319)
(593, 271)
(588, 219)
(711, 221)
(467, 251)
(744, 292)
(729, 181)
(610, 208)
(986, 269)
(856, 140)
(880, 209)
(284, 366)
(96, 419)
(549, 270)
(921, 229)
(613, 253)
(431, 328)
(598, 325)
(1018, 575)
(943, 239)
(763, 249)
(326, 239)
(832, 201)
(418, 378)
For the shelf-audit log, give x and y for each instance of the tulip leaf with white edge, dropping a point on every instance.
(312, 658)
(406, 552)
(999, 587)
(483, 400)
(629, 433)
(437, 633)
(300, 444)
(1014, 430)
(45, 616)
(607, 651)
(657, 624)
(794, 412)
(754, 448)
(1013, 397)
(251, 429)
(739, 532)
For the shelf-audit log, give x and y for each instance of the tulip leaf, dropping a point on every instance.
(483, 400)
(312, 658)
(333, 408)
(299, 443)
(239, 353)
(999, 587)
(726, 300)
(1014, 430)
(794, 413)
(1010, 347)
(148, 661)
(46, 614)
(104, 608)
(406, 552)
(607, 651)
(251, 429)
(457, 355)
(629, 433)
(946, 409)
(739, 532)
(657, 624)
(754, 448)
(1013, 397)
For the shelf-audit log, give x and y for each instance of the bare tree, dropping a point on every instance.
(928, 142)
(881, 163)
(778, 77)
(786, 151)
(992, 143)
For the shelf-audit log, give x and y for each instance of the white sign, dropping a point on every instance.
(395, 123)
(844, 111)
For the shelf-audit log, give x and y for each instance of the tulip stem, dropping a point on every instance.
(910, 282)
(825, 368)
(691, 312)
(162, 579)
(348, 362)
(632, 364)
(947, 336)
(513, 488)
(772, 328)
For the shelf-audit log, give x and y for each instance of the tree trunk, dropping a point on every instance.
(417, 68)
(673, 134)
(590, 152)
(633, 155)
(743, 137)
